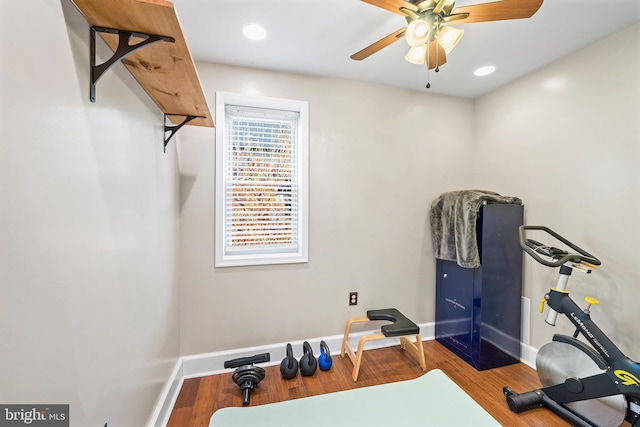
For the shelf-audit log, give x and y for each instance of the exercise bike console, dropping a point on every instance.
(592, 384)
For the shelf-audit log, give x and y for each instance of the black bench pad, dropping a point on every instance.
(401, 325)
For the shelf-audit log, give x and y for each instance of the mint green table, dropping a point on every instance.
(430, 400)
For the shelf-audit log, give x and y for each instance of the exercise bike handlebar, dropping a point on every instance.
(558, 256)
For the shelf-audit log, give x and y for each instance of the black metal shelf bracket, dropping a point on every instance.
(123, 49)
(175, 128)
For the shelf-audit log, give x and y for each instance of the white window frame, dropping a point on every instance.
(224, 258)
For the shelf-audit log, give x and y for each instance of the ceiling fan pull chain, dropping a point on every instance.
(428, 83)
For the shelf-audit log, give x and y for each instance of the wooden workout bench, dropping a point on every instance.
(401, 327)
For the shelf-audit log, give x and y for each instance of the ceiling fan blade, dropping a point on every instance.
(455, 17)
(499, 10)
(393, 5)
(442, 4)
(379, 45)
(436, 55)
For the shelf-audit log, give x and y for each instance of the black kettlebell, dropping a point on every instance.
(308, 362)
(289, 365)
(324, 360)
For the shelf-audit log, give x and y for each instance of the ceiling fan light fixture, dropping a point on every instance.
(417, 32)
(428, 23)
(449, 38)
(417, 54)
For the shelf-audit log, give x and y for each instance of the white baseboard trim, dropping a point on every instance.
(200, 365)
(166, 401)
(528, 355)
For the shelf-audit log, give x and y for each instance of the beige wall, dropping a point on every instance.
(89, 306)
(567, 141)
(564, 139)
(88, 226)
(378, 157)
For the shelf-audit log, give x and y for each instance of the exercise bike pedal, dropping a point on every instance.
(523, 402)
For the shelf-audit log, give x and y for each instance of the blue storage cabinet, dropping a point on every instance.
(478, 311)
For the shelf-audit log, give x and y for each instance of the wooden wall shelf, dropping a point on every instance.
(165, 70)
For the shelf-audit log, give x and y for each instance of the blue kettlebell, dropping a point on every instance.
(324, 360)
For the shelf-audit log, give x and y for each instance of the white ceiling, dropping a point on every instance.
(316, 37)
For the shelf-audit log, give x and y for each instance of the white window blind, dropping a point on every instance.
(261, 195)
(261, 187)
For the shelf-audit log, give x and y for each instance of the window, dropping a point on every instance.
(261, 180)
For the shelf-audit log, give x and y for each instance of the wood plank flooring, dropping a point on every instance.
(200, 397)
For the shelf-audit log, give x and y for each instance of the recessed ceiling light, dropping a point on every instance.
(484, 71)
(254, 31)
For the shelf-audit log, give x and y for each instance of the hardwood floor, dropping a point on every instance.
(200, 397)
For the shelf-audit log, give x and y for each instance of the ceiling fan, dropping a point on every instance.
(428, 34)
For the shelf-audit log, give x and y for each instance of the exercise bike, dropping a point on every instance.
(592, 384)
